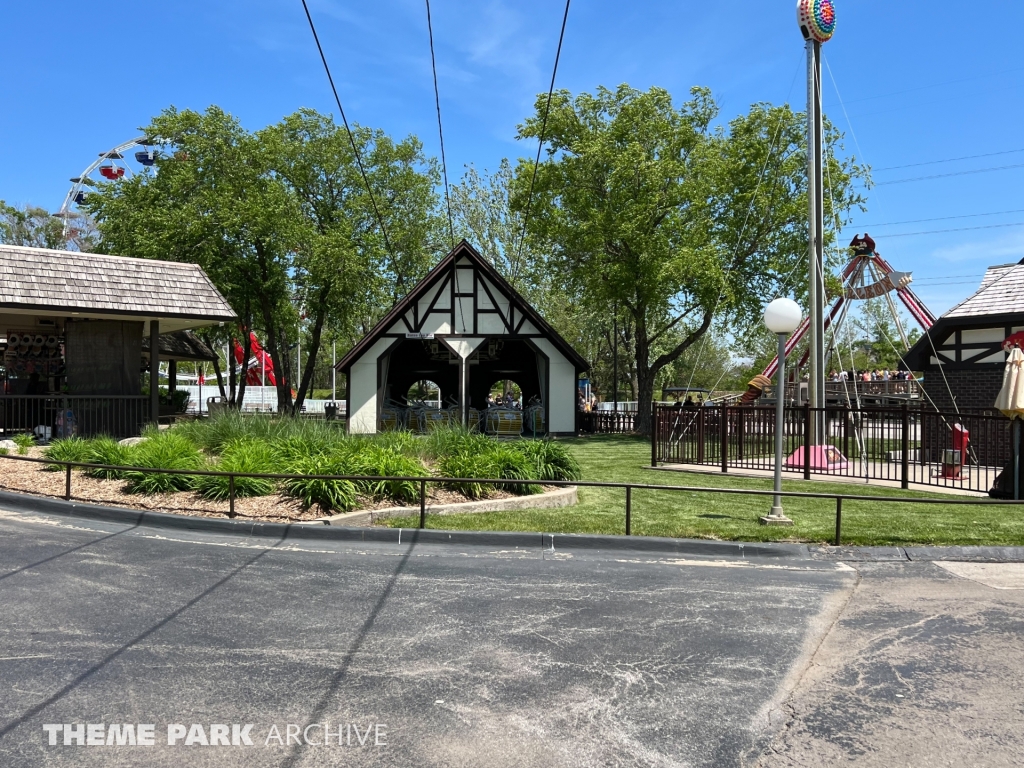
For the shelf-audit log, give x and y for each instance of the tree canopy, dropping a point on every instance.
(281, 222)
(676, 222)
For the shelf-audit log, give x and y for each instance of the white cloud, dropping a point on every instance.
(1002, 250)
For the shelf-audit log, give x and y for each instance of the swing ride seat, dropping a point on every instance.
(390, 420)
(433, 418)
(504, 422)
(535, 420)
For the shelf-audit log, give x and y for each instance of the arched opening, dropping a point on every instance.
(505, 392)
(424, 393)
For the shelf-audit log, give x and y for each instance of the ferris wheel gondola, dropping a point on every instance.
(110, 166)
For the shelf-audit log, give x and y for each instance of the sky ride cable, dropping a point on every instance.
(444, 169)
(928, 397)
(543, 130)
(739, 240)
(348, 130)
(440, 130)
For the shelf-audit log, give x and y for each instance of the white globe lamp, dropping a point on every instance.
(782, 316)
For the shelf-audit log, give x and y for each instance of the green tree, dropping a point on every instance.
(211, 200)
(33, 226)
(648, 207)
(344, 274)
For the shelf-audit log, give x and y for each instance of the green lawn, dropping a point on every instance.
(610, 458)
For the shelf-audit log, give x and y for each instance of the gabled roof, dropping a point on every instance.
(180, 345)
(462, 250)
(999, 301)
(1001, 293)
(40, 279)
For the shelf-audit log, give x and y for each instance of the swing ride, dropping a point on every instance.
(866, 276)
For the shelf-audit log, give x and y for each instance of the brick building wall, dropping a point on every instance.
(975, 390)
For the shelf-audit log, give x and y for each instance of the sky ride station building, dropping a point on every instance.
(464, 328)
(77, 330)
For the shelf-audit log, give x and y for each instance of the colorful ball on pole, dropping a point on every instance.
(817, 19)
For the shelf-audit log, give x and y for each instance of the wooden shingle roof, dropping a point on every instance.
(93, 284)
(1001, 293)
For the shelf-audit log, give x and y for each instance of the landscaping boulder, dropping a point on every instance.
(132, 441)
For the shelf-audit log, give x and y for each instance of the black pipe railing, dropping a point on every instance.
(422, 481)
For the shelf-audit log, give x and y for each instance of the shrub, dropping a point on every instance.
(68, 449)
(452, 439)
(214, 434)
(245, 455)
(551, 460)
(402, 442)
(508, 463)
(327, 494)
(106, 450)
(163, 450)
(295, 447)
(470, 464)
(489, 460)
(387, 461)
(24, 441)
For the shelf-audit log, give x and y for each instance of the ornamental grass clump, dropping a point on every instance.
(339, 495)
(488, 459)
(24, 441)
(107, 450)
(73, 449)
(163, 450)
(246, 455)
(387, 461)
(452, 439)
(551, 460)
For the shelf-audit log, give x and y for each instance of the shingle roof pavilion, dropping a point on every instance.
(46, 282)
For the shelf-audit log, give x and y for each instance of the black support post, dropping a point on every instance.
(905, 454)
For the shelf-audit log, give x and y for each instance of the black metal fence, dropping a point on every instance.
(905, 445)
(66, 415)
(605, 422)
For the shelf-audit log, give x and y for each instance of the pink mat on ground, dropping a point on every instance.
(824, 458)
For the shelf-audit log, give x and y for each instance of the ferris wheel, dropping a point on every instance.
(112, 165)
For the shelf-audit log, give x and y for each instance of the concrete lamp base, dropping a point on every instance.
(776, 518)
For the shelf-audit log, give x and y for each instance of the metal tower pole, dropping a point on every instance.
(816, 228)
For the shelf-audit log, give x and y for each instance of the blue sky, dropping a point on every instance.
(921, 82)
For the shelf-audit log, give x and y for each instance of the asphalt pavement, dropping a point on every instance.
(450, 653)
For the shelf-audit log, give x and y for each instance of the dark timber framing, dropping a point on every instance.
(466, 312)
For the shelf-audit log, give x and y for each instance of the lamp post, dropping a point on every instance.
(782, 317)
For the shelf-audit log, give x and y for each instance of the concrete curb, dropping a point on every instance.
(562, 497)
(552, 542)
(979, 554)
(18, 502)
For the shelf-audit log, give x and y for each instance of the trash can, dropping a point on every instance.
(331, 411)
(953, 458)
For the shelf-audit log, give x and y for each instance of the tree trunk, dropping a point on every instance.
(216, 365)
(314, 349)
(246, 356)
(645, 376)
(231, 370)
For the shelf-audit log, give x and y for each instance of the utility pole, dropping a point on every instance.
(817, 21)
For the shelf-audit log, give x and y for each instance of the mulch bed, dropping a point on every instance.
(32, 478)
